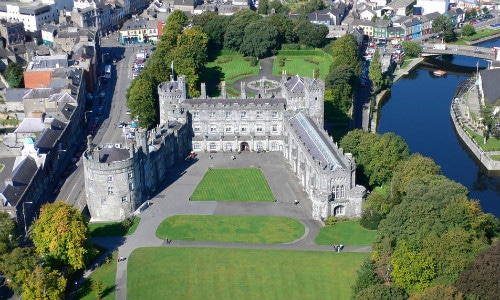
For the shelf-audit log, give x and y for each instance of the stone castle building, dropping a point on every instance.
(285, 116)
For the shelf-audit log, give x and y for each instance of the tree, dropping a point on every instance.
(285, 27)
(14, 75)
(263, 8)
(443, 24)
(468, 30)
(44, 284)
(141, 101)
(215, 28)
(345, 51)
(439, 292)
(411, 48)
(375, 208)
(366, 277)
(381, 292)
(203, 18)
(481, 278)
(61, 235)
(311, 35)
(8, 234)
(13, 265)
(98, 288)
(375, 72)
(279, 8)
(235, 30)
(260, 40)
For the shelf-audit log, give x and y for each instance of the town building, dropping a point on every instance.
(285, 116)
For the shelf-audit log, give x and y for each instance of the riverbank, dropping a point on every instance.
(398, 73)
(485, 39)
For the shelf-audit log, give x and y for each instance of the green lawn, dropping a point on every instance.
(107, 274)
(219, 273)
(240, 229)
(234, 67)
(112, 228)
(303, 65)
(346, 233)
(233, 185)
(492, 144)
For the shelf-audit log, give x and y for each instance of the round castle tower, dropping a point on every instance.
(112, 181)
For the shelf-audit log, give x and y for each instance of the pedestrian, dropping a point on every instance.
(335, 247)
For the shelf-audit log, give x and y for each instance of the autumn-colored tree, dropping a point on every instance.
(61, 235)
(44, 284)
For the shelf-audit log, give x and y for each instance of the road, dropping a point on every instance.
(115, 108)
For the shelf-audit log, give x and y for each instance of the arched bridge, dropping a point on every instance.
(472, 51)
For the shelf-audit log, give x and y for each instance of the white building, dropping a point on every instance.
(430, 6)
(33, 15)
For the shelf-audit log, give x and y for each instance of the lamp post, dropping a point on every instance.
(24, 217)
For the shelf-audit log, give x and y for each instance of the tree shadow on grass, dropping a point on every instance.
(86, 289)
(337, 120)
(113, 229)
(212, 76)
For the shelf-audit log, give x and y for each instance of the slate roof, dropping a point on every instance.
(490, 86)
(295, 84)
(15, 95)
(30, 125)
(24, 172)
(430, 17)
(112, 154)
(319, 145)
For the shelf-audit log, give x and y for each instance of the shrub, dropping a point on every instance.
(253, 61)
(331, 221)
(98, 288)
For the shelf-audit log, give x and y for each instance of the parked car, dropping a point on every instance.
(473, 22)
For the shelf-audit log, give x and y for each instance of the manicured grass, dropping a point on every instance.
(234, 67)
(107, 274)
(303, 65)
(239, 229)
(492, 144)
(220, 273)
(112, 228)
(485, 32)
(233, 185)
(346, 233)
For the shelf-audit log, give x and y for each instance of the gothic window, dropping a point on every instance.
(213, 129)
(275, 128)
(260, 146)
(337, 190)
(196, 115)
(229, 129)
(334, 193)
(212, 115)
(110, 190)
(213, 146)
(275, 115)
(342, 191)
(243, 130)
(197, 129)
(259, 129)
(339, 210)
(110, 178)
(274, 146)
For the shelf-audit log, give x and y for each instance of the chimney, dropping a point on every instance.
(243, 92)
(223, 90)
(203, 91)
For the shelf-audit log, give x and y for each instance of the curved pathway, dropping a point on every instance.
(184, 178)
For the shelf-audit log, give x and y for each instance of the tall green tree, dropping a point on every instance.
(142, 102)
(263, 8)
(8, 233)
(260, 40)
(412, 48)
(443, 24)
(468, 30)
(285, 27)
(235, 30)
(14, 75)
(44, 284)
(16, 264)
(279, 8)
(439, 292)
(215, 28)
(311, 35)
(375, 72)
(61, 235)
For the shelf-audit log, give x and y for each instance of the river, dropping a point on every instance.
(418, 110)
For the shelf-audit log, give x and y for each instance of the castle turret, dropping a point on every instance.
(171, 96)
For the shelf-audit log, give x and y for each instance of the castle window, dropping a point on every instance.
(339, 210)
(130, 186)
(259, 115)
(213, 129)
(197, 129)
(213, 146)
(275, 128)
(212, 115)
(259, 129)
(228, 115)
(124, 199)
(275, 115)
(229, 129)
(110, 178)
(196, 115)
(260, 146)
(110, 190)
(243, 130)
(274, 146)
(196, 146)
(130, 175)
(342, 191)
(243, 114)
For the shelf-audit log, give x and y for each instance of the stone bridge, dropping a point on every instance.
(472, 51)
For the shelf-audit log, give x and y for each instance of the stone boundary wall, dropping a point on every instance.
(482, 156)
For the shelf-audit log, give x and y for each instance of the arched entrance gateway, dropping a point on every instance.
(244, 146)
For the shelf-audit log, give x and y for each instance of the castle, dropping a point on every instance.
(285, 116)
